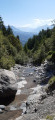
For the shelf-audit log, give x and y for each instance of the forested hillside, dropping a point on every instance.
(41, 46)
(11, 50)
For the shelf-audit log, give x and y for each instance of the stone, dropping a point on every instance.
(27, 104)
(31, 73)
(2, 107)
(35, 69)
(43, 96)
(34, 81)
(8, 85)
(35, 110)
(25, 112)
(1, 111)
(54, 118)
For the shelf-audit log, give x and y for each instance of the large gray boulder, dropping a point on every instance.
(8, 83)
(44, 72)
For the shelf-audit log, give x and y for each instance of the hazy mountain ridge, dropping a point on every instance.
(24, 35)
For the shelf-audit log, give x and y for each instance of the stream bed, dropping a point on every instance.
(30, 99)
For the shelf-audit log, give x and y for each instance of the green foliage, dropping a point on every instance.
(50, 52)
(53, 41)
(52, 80)
(39, 47)
(4, 30)
(53, 57)
(49, 57)
(39, 55)
(15, 42)
(1, 23)
(30, 54)
(11, 50)
(9, 46)
(49, 117)
(9, 31)
(33, 43)
(25, 48)
(6, 62)
(21, 58)
(42, 46)
(30, 44)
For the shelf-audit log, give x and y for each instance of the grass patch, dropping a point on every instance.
(49, 117)
(52, 80)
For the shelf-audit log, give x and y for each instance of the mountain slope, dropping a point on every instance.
(24, 36)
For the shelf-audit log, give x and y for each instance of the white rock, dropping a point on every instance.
(8, 83)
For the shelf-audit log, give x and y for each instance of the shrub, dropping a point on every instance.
(50, 52)
(39, 55)
(48, 44)
(15, 42)
(36, 57)
(51, 85)
(52, 80)
(21, 58)
(49, 117)
(6, 62)
(29, 53)
(53, 57)
(49, 57)
(11, 50)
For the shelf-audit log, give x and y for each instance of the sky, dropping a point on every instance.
(27, 13)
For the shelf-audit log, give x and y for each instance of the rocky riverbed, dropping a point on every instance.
(31, 101)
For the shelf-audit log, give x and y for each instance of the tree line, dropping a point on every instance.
(41, 46)
(11, 50)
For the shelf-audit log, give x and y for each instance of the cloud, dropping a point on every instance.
(26, 25)
(38, 22)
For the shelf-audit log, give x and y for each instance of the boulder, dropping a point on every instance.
(8, 83)
(2, 107)
(1, 111)
(45, 72)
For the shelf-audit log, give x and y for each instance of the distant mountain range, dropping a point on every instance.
(37, 30)
(24, 36)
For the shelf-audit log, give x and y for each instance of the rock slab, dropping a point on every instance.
(8, 83)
